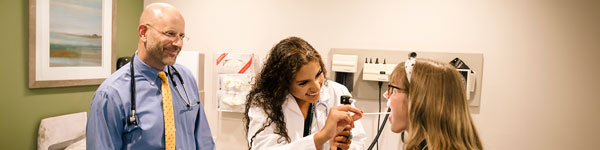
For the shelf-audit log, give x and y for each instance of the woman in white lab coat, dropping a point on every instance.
(293, 106)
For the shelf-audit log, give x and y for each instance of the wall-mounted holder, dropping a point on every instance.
(468, 75)
(344, 67)
(235, 74)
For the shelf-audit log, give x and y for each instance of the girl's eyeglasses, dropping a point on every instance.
(391, 88)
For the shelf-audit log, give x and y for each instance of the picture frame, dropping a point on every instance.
(71, 43)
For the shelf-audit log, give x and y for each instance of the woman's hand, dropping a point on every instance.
(342, 139)
(339, 117)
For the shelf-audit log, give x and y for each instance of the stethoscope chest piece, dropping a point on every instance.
(132, 119)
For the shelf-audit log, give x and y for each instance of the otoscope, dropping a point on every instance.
(345, 100)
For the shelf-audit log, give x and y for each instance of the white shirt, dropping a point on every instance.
(294, 120)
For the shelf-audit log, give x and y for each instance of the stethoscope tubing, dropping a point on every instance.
(132, 119)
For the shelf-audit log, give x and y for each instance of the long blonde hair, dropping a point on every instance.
(437, 107)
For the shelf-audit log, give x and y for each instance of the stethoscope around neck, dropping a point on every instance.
(132, 119)
(317, 106)
(321, 105)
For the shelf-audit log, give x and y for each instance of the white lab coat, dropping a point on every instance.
(294, 121)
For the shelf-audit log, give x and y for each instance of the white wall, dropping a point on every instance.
(540, 57)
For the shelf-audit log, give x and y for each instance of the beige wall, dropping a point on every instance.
(540, 57)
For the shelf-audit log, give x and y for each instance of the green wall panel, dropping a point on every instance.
(21, 108)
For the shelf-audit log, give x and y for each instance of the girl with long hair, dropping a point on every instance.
(428, 102)
(292, 105)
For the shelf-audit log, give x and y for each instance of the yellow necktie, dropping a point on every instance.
(167, 112)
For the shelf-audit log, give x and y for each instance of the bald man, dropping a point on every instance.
(165, 113)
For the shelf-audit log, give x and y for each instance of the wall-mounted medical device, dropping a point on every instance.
(372, 72)
(344, 67)
(468, 76)
(377, 72)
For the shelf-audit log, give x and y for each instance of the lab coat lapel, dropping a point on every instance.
(294, 120)
(292, 105)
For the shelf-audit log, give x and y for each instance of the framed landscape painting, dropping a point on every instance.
(70, 42)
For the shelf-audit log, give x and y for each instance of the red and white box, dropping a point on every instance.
(235, 63)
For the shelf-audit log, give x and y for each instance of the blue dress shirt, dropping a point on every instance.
(107, 127)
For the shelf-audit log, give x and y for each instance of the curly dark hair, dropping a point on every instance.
(273, 83)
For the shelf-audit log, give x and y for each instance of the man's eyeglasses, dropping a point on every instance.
(170, 34)
(391, 88)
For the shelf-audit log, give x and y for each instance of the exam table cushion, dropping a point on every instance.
(61, 132)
